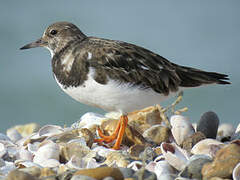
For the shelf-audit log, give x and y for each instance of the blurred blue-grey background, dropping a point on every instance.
(202, 34)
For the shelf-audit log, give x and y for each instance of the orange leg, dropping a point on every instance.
(118, 133)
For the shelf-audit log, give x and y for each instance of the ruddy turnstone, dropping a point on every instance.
(115, 75)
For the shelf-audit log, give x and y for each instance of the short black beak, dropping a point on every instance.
(38, 43)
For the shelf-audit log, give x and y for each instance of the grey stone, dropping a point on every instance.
(194, 166)
(208, 124)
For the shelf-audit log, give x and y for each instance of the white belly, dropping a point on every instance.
(113, 96)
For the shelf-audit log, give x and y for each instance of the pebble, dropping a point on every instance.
(208, 124)
(224, 162)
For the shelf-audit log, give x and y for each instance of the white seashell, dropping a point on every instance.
(89, 119)
(3, 150)
(181, 128)
(225, 130)
(26, 163)
(50, 163)
(135, 165)
(9, 166)
(163, 169)
(80, 140)
(159, 158)
(14, 135)
(92, 163)
(207, 146)
(150, 166)
(174, 155)
(237, 129)
(48, 150)
(3, 137)
(236, 172)
(75, 162)
(24, 154)
(49, 130)
(33, 147)
(102, 151)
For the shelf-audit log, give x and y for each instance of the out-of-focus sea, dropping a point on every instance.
(202, 34)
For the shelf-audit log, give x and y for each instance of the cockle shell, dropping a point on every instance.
(174, 155)
(46, 150)
(181, 128)
(207, 146)
(49, 130)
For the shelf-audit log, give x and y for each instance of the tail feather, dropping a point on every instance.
(191, 77)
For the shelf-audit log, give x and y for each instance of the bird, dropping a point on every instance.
(115, 75)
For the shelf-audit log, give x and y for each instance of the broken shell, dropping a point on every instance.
(3, 150)
(237, 129)
(174, 155)
(14, 135)
(236, 172)
(49, 130)
(207, 146)
(24, 154)
(135, 165)
(49, 163)
(75, 163)
(26, 164)
(162, 168)
(181, 128)
(46, 150)
(88, 120)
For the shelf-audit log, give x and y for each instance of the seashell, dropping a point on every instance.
(102, 151)
(50, 163)
(207, 146)
(33, 147)
(163, 170)
(157, 134)
(9, 166)
(174, 155)
(24, 154)
(3, 150)
(49, 130)
(25, 164)
(80, 140)
(135, 165)
(181, 128)
(88, 119)
(237, 129)
(75, 163)
(47, 150)
(225, 131)
(236, 172)
(3, 137)
(14, 135)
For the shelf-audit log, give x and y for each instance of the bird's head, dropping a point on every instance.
(57, 36)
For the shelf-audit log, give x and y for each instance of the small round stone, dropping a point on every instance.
(208, 124)
(82, 177)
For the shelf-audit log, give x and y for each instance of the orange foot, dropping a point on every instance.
(117, 134)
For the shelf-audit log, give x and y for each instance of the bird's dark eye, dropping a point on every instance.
(53, 32)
